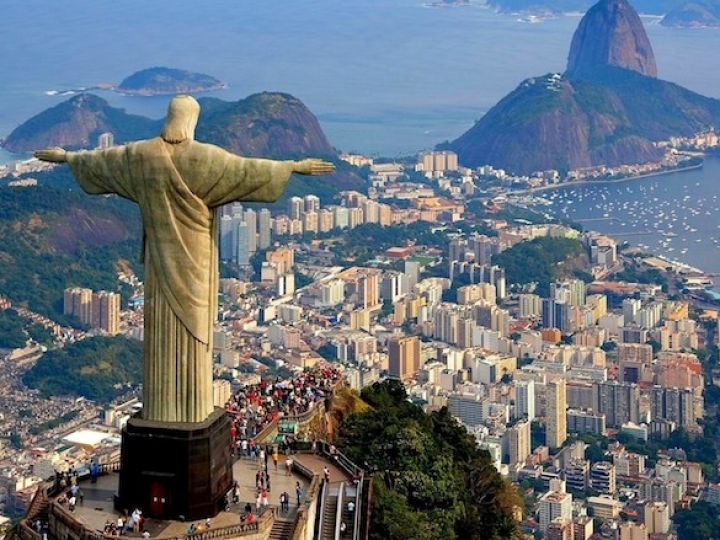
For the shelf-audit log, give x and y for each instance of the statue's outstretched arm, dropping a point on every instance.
(313, 167)
(54, 154)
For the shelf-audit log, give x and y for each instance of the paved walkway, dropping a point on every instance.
(244, 471)
(316, 464)
(97, 506)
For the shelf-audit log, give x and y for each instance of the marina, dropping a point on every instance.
(675, 216)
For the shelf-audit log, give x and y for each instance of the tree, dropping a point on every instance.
(430, 480)
(536, 261)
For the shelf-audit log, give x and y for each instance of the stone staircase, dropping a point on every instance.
(281, 530)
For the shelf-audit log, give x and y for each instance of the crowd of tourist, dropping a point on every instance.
(255, 406)
(252, 408)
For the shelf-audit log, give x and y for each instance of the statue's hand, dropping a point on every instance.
(53, 154)
(313, 167)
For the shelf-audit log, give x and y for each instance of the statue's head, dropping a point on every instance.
(182, 117)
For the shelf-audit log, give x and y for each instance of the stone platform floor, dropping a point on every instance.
(97, 506)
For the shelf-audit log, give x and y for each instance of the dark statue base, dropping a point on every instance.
(175, 470)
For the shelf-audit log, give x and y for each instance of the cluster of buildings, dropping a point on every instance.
(597, 359)
(99, 310)
(601, 358)
(630, 499)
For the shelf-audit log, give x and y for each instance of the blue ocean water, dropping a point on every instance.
(676, 215)
(383, 77)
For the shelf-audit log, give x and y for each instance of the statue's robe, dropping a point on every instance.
(179, 188)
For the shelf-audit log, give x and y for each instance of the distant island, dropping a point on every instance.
(162, 81)
(155, 81)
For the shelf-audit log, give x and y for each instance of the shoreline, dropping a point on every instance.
(530, 191)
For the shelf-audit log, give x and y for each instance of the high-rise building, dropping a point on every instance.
(296, 207)
(619, 402)
(264, 228)
(286, 284)
(602, 477)
(226, 238)
(583, 528)
(355, 217)
(556, 421)
(332, 292)
(310, 222)
(559, 529)
(633, 531)
(525, 399)
(283, 258)
(385, 214)
(630, 307)
(673, 404)
(77, 301)
(470, 409)
(554, 505)
(530, 306)
(519, 442)
(657, 518)
(412, 270)
(640, 353)
(237, 219)
(492, 317)
(403, 356)
(571, 292)
(242, 244)
(106, 311)
(393, 285)
(341, 217)
(325, 220)
(555, 314)
(579, 421)
(250, 217)
(281, 226)
(312, 203)
(577, 474)
(371, 211)
(438, 161)
(368, 290)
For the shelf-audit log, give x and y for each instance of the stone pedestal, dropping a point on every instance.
(175, 470)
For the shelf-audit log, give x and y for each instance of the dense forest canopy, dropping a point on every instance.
(538, 261)
(55, 237)
(97, 368)
(429, 478)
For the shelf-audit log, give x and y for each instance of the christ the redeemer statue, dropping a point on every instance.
(179, 184)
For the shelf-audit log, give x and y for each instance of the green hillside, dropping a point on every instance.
(54, 238)
(98, 368)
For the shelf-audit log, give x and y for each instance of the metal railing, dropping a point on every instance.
(342, 461)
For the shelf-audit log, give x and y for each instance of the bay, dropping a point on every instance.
(383, 78)
(676, 215)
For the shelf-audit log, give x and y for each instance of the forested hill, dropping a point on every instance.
(542, 261)
(98, 368)
(430, 480)
(55, 237)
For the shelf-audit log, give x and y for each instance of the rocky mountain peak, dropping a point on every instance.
(611, 34)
